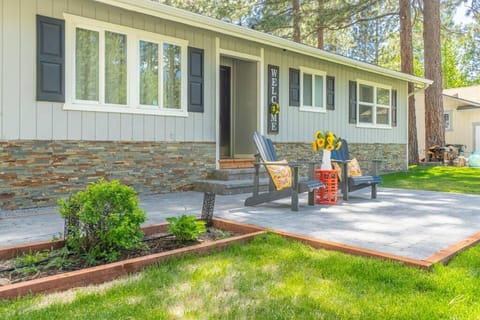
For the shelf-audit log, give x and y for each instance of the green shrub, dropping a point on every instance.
(102, 220)
(186, 228)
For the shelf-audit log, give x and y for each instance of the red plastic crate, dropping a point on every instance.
(329, 194)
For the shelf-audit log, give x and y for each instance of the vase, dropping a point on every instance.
(326, 162)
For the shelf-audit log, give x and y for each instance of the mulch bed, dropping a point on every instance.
(155, 243)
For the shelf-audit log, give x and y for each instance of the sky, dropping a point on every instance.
(460, 16)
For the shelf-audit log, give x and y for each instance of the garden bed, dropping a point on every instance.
(162, 248)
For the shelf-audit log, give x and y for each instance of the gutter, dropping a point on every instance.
(182, 16)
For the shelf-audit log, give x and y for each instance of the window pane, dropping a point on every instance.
(446, 117)
(307, 89)
(365, 114)
(172, 76)
(86, 65)
(383, 96)
(115, 68)
(318, 91)
(148, 73)
(366, 93)
(382, 115)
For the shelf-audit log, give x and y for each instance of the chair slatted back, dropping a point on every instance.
(342, 154)
(265, 147)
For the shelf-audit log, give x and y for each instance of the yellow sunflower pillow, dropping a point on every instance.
(281, 174)
(353, 169)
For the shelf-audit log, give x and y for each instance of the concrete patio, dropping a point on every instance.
(408, 223)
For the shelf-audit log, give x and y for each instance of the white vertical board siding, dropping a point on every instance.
(22, 117)
(11, 70)
(101, 126)
(239, 45)
(299, 126)
(27, 107)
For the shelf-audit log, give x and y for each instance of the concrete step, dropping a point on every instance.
(229, 187)
(235, 174)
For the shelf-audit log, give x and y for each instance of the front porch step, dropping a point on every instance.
(231, 181)
(229, 187)
(236, 163)
(236, 174)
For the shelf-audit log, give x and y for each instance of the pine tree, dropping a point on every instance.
(434, 123)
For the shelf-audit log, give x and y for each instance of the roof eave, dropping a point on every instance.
(174, 14)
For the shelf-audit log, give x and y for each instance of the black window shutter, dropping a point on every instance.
(195, 80)
(50, 59)
(294, 87)
(330, 93)
(352, 102)
(394, 108)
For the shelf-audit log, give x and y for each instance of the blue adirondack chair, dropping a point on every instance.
(348, 184)
(267, 156)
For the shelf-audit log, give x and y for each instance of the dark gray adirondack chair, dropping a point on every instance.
(266, 154)
(348, 184)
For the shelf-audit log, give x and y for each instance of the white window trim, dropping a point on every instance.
(314, 73)
(134, 36)
(450, 114)
(374, 105)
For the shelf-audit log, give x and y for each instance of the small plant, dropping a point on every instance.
(102, 221)
(31, 258)
(59, 259)
(186, 228)
(222, 234)
(27, 264)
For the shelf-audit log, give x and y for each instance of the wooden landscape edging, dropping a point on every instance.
(449, 252)
(107, 272)
(353, 250)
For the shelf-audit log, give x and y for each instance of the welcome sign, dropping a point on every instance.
(273, 99)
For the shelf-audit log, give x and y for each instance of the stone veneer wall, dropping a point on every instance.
(37, 173)
(393, 155)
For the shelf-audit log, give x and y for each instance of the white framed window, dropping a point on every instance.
(447, 117)
(121, 69)
(374, 103)
(313, 88)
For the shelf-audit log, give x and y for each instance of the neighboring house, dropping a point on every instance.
(156, 97)
(462, 118)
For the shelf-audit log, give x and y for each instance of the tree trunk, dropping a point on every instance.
(320, 28)
(296, 20)
(406, 52)
(434, 121)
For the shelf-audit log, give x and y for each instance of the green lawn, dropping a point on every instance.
(272, 278)
(440, 178)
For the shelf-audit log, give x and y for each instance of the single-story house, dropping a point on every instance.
(462, 118)
(156, 97)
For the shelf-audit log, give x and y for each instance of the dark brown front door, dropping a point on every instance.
(225, 112)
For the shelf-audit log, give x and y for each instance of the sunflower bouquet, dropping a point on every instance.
(326, 141)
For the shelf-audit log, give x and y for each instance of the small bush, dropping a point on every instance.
(186, 228)
(102, 220)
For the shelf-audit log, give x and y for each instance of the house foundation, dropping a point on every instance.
(38, 173)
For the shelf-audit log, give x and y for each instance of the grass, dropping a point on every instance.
(271, 278)
(438, 178)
